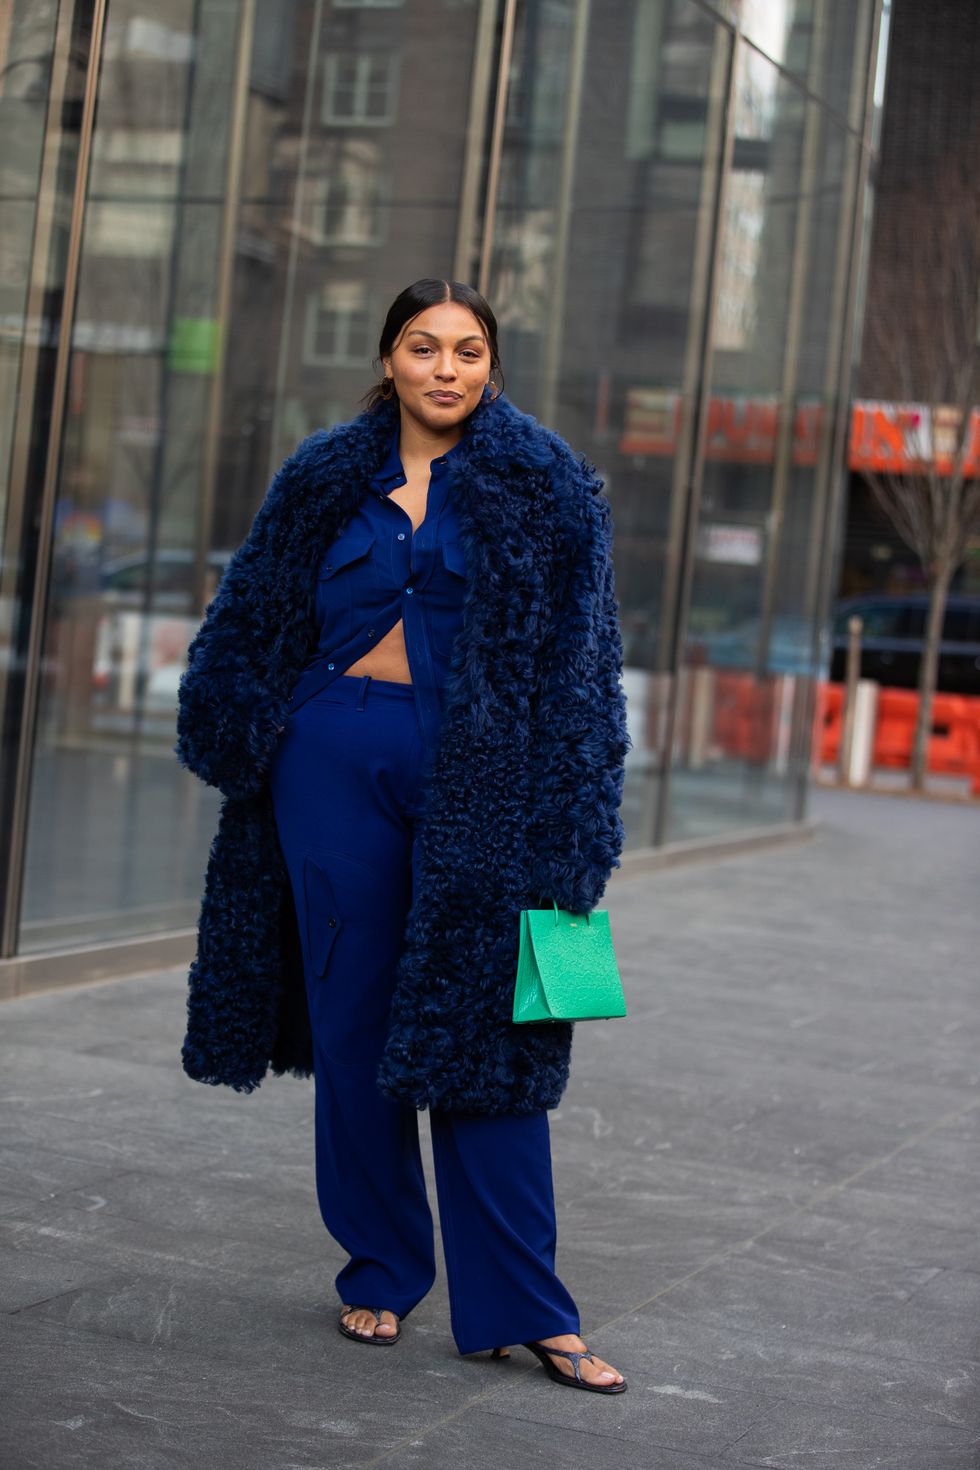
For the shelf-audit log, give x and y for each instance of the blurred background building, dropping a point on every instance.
(207, 207)
(926, 183)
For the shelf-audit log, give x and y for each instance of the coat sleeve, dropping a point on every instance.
(229, 713)
(580, 722)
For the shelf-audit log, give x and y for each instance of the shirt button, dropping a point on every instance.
(330, 666)
(370, 632)
(401, 535)
(409, 590)
(332, 923)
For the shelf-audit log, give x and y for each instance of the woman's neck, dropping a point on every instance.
(419, 446)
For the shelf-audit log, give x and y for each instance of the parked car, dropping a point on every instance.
(789, 648)
(123, 580)
(138, 656)
(891, 642)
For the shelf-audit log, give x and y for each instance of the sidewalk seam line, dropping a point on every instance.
(827, 1192)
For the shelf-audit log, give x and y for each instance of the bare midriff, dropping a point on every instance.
(389, 659)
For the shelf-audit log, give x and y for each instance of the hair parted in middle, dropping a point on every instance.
(418, 297)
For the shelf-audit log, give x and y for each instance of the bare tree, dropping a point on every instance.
(923, 332)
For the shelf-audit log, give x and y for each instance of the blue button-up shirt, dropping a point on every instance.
(377, 572)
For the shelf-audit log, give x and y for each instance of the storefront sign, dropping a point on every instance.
(737, 545)
(194, 345)
(740, 429)
(908, 438)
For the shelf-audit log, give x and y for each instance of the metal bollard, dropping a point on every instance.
(855, 627)
(860, 714)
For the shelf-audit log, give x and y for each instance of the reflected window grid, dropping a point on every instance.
(359, 89)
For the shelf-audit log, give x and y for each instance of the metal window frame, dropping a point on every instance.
(701, 397)
(75, 22)
(828, 518)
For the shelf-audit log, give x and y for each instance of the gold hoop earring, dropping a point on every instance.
(387, 388)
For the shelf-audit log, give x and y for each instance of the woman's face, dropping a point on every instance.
(441, 364)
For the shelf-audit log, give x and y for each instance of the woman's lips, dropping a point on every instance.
(446, 397)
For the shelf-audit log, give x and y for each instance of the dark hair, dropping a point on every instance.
(417, 298)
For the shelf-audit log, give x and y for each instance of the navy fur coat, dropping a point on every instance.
(523, 801)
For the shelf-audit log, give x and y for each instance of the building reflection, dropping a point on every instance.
(207, 209)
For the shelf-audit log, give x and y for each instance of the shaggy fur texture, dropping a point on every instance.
(522, 806)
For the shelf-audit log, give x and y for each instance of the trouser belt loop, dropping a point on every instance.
(362, 691)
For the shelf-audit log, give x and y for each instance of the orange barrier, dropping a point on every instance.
(743, 715)
(830, 722)
(727, 723)
(954, 744)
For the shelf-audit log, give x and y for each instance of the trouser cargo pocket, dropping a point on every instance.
(323, 917)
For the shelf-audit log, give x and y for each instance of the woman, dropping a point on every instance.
(407, 688)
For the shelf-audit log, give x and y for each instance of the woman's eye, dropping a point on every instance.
(472, 353)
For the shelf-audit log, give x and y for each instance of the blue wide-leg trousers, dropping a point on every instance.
(346, 789)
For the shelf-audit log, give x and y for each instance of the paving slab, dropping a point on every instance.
(767, 1178)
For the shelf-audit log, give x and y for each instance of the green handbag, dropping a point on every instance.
(566, 968)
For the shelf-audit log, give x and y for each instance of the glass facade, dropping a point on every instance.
(206, 207)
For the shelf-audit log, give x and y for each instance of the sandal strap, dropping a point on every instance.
(575, 1358)
(345, 1311)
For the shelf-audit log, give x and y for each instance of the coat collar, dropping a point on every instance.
(496, 434)
(498, 440)
(518, 490)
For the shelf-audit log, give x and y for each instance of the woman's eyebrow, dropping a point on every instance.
(418, 332)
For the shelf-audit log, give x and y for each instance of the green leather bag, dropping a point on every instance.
(566, 968)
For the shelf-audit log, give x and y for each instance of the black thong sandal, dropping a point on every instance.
(359, 1336)
(555, 1373)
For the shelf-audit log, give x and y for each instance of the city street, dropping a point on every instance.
(768, 1184)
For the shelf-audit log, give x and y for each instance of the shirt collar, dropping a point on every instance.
(392, 472)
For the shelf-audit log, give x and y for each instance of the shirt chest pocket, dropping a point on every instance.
(346, 581)
(453, 559)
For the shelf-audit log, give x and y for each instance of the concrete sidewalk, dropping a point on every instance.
(769, 1196)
